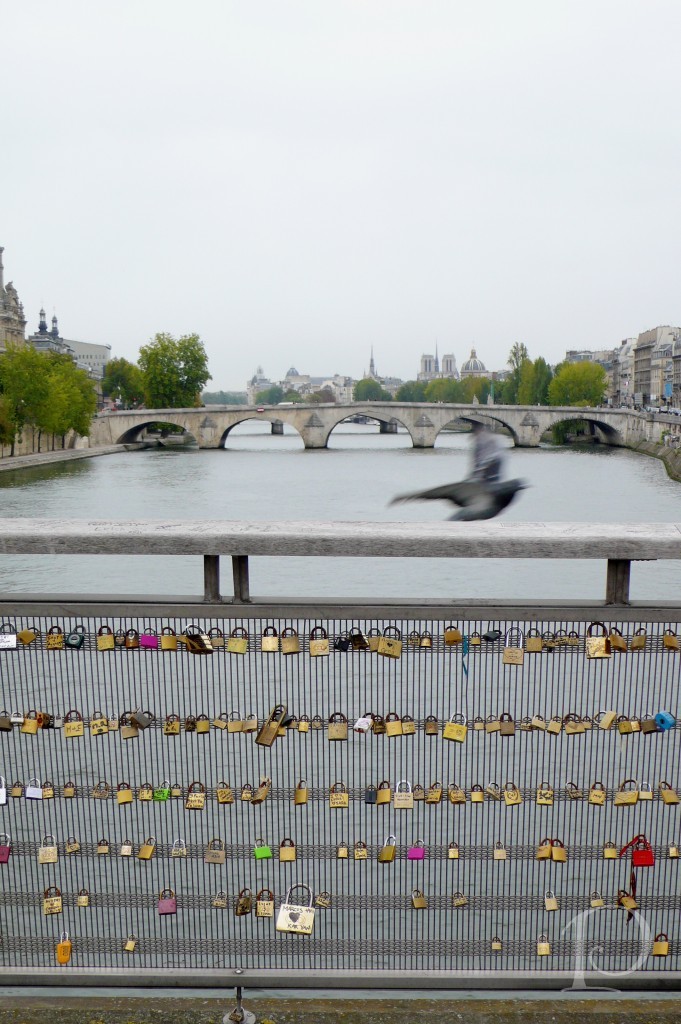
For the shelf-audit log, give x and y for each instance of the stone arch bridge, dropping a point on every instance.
(423, 421)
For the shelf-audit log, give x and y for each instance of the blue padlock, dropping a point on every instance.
(664, 721)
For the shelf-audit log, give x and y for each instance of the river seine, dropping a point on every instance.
(263, 477)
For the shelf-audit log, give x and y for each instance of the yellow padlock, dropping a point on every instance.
(456, 729)
(64, 949)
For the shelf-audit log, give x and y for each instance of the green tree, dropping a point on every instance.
(6, 424)
(475, 387)
(443, 389)
(71, 400)
(270, 396)
(543, 375)
(411, 391)
(368, 390)
(224, 398)
(325, 395)
(578, 384)
(24, 384)
(516, 357)
(124, 382)
(526, 383)
(175, 371)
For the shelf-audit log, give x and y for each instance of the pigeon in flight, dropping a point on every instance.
(475, 498)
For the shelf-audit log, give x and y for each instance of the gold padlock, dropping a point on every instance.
(418, 900)
(452, 636)
(495, 945)
(606, 719)
(237, 642)
(667, 794)
(360, 851)
(300, 794)
(609, 851)
(543, 946)
(597, 794)
(179, 848)
(426, 639)
(506, 725)
(673, 851)
(393, 725)
(555, 726)
(558, 852)
(550, 901)
(491, 725)
(71, 845)
(477, 794)
(29, 726)
(224, 794)
(459, 900)
(342, 851)
(456, 794)
(455, 729)
(47, 851)
(147, 848)
(543, 850)
(196, 797)
(533, 642)
(52, 900)
(512, 795)
(83, 898)
(103, 847)
(453, 851)
(338, 726)
(596, 901)
(234, 723)
(638, 640)
(287, 851)
(573, 791)
(99, 724)
(408, 726)
(661, 945)
(670, 640)
(386, 854)
(48, 791)
(126, 848)
(319, 642)
(597, 646)
(627, 797)
(545, 795)
(222, 721)
(216, 637)
(290, 642)
(145, 793)
(73, 724)
(383, 793)
(64, 949)
(269, 641)
(430, 725)
(617, 641)
(124, 794)
(390, 644)
(269, 730)
(645, 792)
(215, 852)
(339, 796)
(202, 725)
(262, 792)
(244, 903)
(304, 724)
(499, 851)
(129, 944)
(219, 901)
(168, 640)
(537, 722)
(626, 901)
(434, 794)
(264, 903)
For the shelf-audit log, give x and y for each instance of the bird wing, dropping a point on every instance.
(464, 493)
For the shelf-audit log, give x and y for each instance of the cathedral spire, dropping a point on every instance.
(42, 326)
(372, 366)
(55, 327)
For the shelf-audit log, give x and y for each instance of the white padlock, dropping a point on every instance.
(3, 791)
(362, 724)
(34, 789)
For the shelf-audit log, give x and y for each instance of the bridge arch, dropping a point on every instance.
(383, 418)
(483, 417)
(266, 417)
(132, 434)
(611, 434)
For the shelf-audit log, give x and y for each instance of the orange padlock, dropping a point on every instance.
(64, 948)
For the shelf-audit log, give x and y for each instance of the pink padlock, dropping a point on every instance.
(417, 851)
(5, 848)
(167, 903)
(149, 640)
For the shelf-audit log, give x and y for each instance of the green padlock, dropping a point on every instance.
(261, 850)
(162, 792)
(76, 638)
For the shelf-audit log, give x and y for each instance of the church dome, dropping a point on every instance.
(293, 372)
(473, 365)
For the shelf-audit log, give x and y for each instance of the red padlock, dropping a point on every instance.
(642, 855)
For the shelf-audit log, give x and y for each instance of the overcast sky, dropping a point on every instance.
(299, 181)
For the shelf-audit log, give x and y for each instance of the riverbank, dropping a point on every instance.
(48, 458)
(671, 457)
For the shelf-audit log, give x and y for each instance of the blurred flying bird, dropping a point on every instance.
(476, 498)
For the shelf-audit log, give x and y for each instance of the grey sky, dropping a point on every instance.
(298, 181)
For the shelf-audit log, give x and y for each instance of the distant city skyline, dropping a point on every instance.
(298, 182)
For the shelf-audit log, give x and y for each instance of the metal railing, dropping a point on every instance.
(524, 686)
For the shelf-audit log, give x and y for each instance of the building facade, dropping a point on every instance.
(12, 319)
(653, 365)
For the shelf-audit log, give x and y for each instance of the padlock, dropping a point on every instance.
(287, 851)
(171, 725)
(403, 798)
(132, 639)
(414, 638)
(627, 797)
(430, 725)
(555, 726)
(124, 794)
(17, 790)
(48, 791)
(370, 796)
(167, 902)
(434, 794)
(196, 797)
(477, 794)
(597, 794)
(645, 792)
(417, 851)
(673, 851)
(145, 792)
(418, 900)
(129, 730)
(638, 639)
(290, 642)
(125, 848)
(358, 641)
(408, 726)
(338, 795)
(303, 724)
(512, 795)
(597, 646)
(506, 725)
(558, 852)
(426, 640)
(642, 854)
(215, 852)
(221, 722)
(76, 638)
(495, 945)
(190, 723)
(491, 725)
(670, 640)
(52, 901)
(175, 790)
(47, 851)
(378, 725)
(533, 642)
(459, 900)
(261, 850)
(373, 639)
(168, 639)
(83, 899)
(269, 641)
(342, 642)
(105, 639)
(30, 724)
(323, 900)
(667, 794)
(492, 791)
(390, 644)
(596, 901)
(264, 903)
(224, 794)
(99, 724)
(360, 851)
(383, 793)
(649, 725)
(543, 946)
(386, 854)
(179, 848)
(455, 729)
(342, 851)
(235, 723)
(661, 945)
(296, 918)
(617, 641)
(161, 793)
(573, 725)
(338, 726)
(393, 724)
(573, 791)
(147, 848)
(119, 638)
(114, 724)
(606, 719)
(452, 636)
(262, 792)
(626, 901)
(609, 851)
(363, 725)
(625, 726)
(474, 640)
(129, 944)
(269, 730)
(543, 850)
(514, 647)
(5, 721)
(196, 641)
(101, 790)
(318, 642)
(16, 718)
(219, 901)
(244, 903)
(28, 635)
(216, 637)
(64, 949)
(550, 901)
(71, 845)
(456, 794)
(500, 852)
(453, 851)
(538, 722)
(5, 848)
(246, 792)
(54, 640)
(202, 725)
(491, 635)
(545, 795)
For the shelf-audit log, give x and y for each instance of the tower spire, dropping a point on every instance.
(372, 366)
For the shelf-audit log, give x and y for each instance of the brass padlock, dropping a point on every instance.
(638, 640)
(597, 646)
(304, 724)
(533, 642)
(319, 642)
(235, 723)
(202, 725)
(573, 791)
(495, 945)
(403, 798)
(244, 903)
(83, 898)
(550, 901)
(219, 901)
(452, 635)
(426, 639)
(179, 848)
(474, 640)
(71, 845)
(390, 644)
(661, 945)
(222, 720)
(196, 641)
(538, 722)
(543, 946)
(17, 789)
(216, 637)
(645, 792)
(300, 794)
(360, 851)
(393, 725)
(262, 792)
(52, 900)
(555, 726)
(625, 726)
(126, 848)
(171, 725)
(147, 849)
(453, 851)
(175, 790)
(408, 726)
(54, 640)
(338, 726)
(99, 724)
(48, 791)
(499, 851)
(269, 641)
(617, 641)
(224, 794)
(290, 642)
(124, 794)
(596, 901)
(129, 944)
(477, 794)
(373, 639)
(606, 719)
(145, 792)
(670, 640)
(338, 796)
(196, 797)
(648, 725)
(626, 901)
(455, 729)
(237, 642)
(264, 903)
(129, 730)
(456, 794)
(73, 724)
(492, 791)
(558, 852)
(47, 851)
(215, 852)
(414, 638)
(673, 851)
(512, 795)
(30, 725)
(323, 900)
(246, 792)
(514, 649)
(342, 851)
(545, 795)
(386, 854)
(625, 795)
(418, 900)
(459, 900)
(430, 726)
(573, 725)
(287, 851)
(491, 725)
(597, 794)
(378, 725)
(103, 847)
(383, 792)
(609, 851)
(506, 725)
(667, 794)
(269, 730)
(543, 850)
(168, 640)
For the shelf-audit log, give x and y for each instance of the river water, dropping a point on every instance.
(263, 477)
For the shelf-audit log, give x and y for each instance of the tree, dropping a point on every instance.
(325, 395)
(369, 390)
(270, 396)
(517, 355)
(526, 383)
(24, 385)
(578, 384)
(175, 371)
(71, 399)
(543, 375)
(124, 382)
(443, 389)
(475, 387)
(412, 391)
(224, 398)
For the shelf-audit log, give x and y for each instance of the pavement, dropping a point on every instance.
(66, 455)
